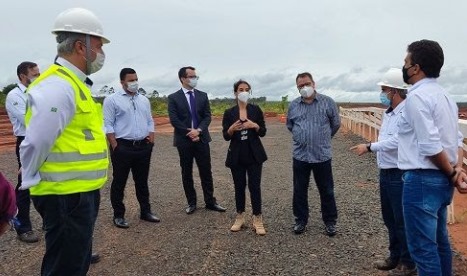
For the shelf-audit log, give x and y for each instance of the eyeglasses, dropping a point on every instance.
(305, 84)
(192, 77)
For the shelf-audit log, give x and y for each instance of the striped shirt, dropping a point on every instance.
(312, 126)
(128, 117)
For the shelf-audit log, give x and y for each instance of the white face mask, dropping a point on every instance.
(307, 91)
(132, 86)
(243, 96)
(31, 80)
(97, 64)
(193, 82)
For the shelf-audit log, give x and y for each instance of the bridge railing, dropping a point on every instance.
(366, 122)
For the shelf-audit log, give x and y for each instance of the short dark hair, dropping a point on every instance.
(24, 66)
(428, 54)
(182, 71)
(402, 92)
(237, 84)
(304, 75)
(126, 71)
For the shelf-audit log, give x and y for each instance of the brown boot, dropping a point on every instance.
(258, 225)
(239, 222)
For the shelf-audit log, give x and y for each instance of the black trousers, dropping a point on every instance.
(322, 173)
(239, 174)
(69, 223)
(201, 153)
(23, 200)
(136, 158)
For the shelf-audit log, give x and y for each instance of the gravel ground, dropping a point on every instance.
(201, 244)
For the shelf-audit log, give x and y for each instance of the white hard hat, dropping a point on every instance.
(393, 78)
(81, 21)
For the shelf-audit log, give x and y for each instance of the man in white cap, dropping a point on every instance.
(64, 155)
(393, 94)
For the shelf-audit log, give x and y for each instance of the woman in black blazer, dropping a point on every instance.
(243, 125)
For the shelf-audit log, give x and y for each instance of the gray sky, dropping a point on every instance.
(346, 45)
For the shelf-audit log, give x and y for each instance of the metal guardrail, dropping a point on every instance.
(366, 122)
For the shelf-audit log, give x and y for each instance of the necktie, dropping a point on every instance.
(194, 118)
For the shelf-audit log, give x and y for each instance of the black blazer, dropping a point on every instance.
(180, 116)
(255, 114)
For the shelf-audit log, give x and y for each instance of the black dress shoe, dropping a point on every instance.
(190, 209)
(95, 258)
(150, 217)
(299, 228)
(330, 230)
(121, 223)
(215, 207)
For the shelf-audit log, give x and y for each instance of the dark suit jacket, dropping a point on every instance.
(180, 116)
(255, 114)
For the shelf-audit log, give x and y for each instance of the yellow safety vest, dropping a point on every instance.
(78, 161)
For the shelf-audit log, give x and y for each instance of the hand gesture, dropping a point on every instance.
(250, 124)
(359, 149)
(460, 180)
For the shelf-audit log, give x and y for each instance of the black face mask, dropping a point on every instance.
(405, 74)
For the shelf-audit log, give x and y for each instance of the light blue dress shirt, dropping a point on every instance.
(128, 117)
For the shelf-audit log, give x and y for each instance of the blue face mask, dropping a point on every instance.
(384, 99)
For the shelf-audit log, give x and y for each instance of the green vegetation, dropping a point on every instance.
(218, 106)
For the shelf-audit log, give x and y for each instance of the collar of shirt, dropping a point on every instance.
(186, 90)
(421, 82)
(21, 87)
(122, 92)
(65, 63)
(396, 110)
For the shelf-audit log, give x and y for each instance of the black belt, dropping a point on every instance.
(132, 142)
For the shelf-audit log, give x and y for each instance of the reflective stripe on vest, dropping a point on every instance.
(74, 156)
(63, 176)
(78, 160)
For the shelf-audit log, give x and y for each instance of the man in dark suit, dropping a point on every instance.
(190, 115)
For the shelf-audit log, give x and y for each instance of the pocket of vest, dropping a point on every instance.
(90, 147)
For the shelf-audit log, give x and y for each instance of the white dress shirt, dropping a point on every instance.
(428, 126)
(15, 104)
(386, 147)
(53, 105)
(128, 117)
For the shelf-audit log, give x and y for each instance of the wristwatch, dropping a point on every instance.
(368, 147)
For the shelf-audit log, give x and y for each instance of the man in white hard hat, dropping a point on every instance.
(64, 155)
(393, 94)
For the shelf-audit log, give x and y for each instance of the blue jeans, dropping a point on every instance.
(322, 173)
(391, 185)
(425, 198)
(69, 224)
